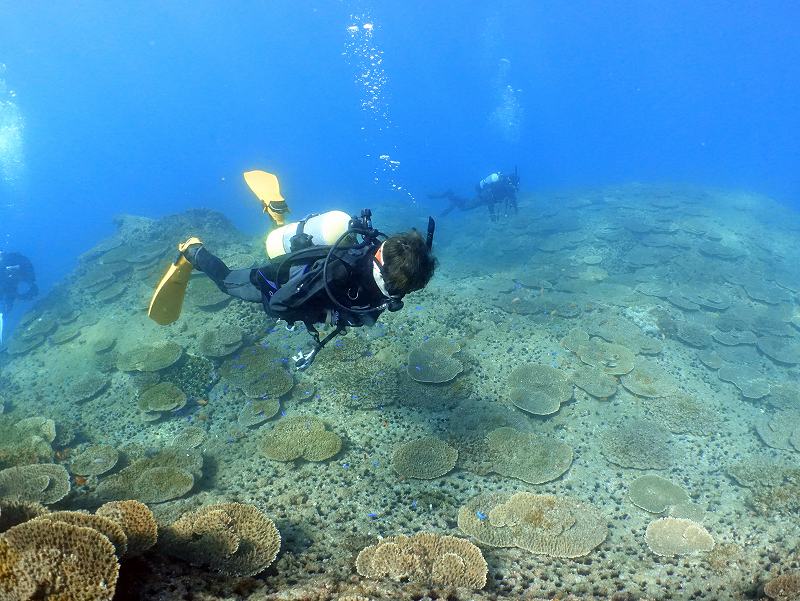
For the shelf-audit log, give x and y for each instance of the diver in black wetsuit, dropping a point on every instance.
(493, 190)
(340, 285)
(17, 280)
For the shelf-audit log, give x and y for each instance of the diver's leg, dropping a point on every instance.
(234, 282)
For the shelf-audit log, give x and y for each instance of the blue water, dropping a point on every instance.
(152, 107)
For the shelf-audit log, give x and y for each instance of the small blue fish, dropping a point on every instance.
(283, 413)
(372, 515)
(414, 504)
(346, 466)
(481, 516)
(376, 463)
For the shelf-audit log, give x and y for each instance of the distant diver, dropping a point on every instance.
(17, 281)
(493, 191)
(327, 269)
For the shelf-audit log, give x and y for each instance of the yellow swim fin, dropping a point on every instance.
(165, 306)
(268, 190)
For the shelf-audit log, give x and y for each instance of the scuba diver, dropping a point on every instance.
(494, 189)
(15, 270)
(327, 269)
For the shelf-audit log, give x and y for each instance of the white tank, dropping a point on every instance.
(324, 229)
(489, 179)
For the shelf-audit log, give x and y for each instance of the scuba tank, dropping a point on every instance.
(488, 180)
(318, 230)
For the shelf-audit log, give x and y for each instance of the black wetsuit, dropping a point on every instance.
(504, 191)
(292, 288)
(15, 270)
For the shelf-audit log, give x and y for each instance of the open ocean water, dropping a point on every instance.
(597, 396)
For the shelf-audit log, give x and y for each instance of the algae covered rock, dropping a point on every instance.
(425, 458)
(300, 437)
(231, 538)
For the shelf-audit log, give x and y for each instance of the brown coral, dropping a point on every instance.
(105, 526)
(45, 483)
(427, 558)
(785, 586)
(56, 561)
(136, 520)
(232, 538)
(17, 512)
(543, 524)
(677, 536)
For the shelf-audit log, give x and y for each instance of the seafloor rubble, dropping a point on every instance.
(595, 399)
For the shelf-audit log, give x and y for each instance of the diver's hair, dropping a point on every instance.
(408, 265)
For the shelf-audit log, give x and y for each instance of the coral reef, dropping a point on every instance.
(677, 536)
(300, 437)
(427, 558)
(231, 538)
(424, 458)
(543, 524)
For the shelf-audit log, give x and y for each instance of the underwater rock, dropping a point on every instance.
(541, 524)
(426, 558)
(539, 389)
(424, 458)
(433, 362)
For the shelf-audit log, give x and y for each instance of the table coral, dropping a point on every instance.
(427, 558)
(231, 538)
(424, 458)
